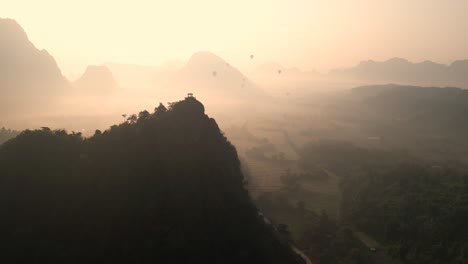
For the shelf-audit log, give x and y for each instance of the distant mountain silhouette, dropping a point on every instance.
(204, 74)
(28, 76)
(162, 187)
(24, 67)
(96, 80)
(402, 71)
(207, 74)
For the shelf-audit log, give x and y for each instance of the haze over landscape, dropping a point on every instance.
(244, 132)
(310, 35)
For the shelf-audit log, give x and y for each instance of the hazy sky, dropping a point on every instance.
(310, 34)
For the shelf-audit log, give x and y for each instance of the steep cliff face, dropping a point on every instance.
(23, 66)
(28, 76)
(162, 187)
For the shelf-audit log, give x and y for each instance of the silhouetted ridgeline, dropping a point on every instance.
(402, 71)
(161, 188)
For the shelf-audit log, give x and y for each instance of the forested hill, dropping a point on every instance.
(162, 187)
(424, 109)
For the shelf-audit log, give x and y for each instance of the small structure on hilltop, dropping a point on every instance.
(190, 105)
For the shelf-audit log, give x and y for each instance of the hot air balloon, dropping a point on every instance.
(214, 73)
(251, 56)
(280, 71)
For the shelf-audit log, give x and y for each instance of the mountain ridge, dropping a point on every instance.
(30, 78)
(20, 56)
(402, 71)
(209, 73)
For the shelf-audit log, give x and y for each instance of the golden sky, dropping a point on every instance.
(310, 34)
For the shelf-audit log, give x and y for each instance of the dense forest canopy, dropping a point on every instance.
(6, 134)
(420, 212)
(163, 186)
(417, 209)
